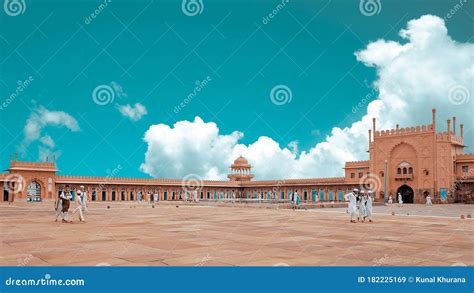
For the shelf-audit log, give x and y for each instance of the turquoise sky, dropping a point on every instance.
(156, 54)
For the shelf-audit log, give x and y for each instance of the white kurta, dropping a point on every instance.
(368, 208)
(428, 201)
(362, 207)
(400, 200)
(79, 200)
(352, 204)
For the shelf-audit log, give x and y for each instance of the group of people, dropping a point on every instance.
(154, 196)
(399, 200)
(428, 200)
(361, 201)
(295, 199)
(63, 204)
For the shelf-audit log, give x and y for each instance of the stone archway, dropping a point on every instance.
(407, 193)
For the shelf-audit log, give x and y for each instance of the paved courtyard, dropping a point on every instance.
(134, 235)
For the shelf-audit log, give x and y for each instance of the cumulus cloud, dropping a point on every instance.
(39, 119)
(412, 77)
(134, 113)
(188, 147)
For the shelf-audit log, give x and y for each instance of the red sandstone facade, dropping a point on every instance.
(412, 161)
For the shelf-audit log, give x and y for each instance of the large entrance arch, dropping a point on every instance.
(406, 192)
(33, 191)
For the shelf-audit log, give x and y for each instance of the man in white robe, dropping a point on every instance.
(79, 201)
(400, 200)
(368, 207)
(362, 200)
(59, 207)
(85, 199)
(352, 204)
(428, 200)
(195, 195)
(297, 198)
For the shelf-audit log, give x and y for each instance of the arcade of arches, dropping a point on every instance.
(412, 161)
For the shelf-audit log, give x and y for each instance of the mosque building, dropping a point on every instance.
(413, 161)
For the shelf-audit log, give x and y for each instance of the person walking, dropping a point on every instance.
(66, 197)
(362, 210)
(428, 200)
(400, 200)
(369, 204)
(195, 195)
(80, 203)
(59, 207)
(296, 199)
(390, 200)
(352, 204)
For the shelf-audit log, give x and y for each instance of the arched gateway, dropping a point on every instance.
(407, 193)
(33, 191)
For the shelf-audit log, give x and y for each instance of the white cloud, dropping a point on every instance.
(134, 113)
(39, 119)
(413, 77)
(47, 141)
(188, 147)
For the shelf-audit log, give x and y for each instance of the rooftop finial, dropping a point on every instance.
(449, 128)
(454, 125)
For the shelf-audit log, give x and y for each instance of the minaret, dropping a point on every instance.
(434, 119)
(454, 125)
(449, 129)
(461, 129)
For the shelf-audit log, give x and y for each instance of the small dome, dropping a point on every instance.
(241, 161)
